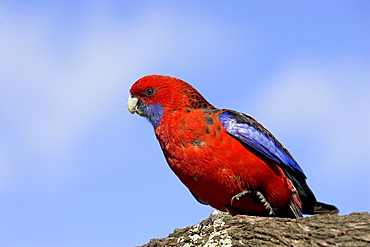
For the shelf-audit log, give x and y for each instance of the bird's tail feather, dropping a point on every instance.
(323, 208)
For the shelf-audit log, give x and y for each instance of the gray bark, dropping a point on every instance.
(241, 230)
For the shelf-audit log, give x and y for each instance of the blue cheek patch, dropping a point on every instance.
(153, 113)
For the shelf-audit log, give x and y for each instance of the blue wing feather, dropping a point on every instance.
(254, 135)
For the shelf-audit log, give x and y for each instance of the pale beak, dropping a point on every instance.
(132, 104)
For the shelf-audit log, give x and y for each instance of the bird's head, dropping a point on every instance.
(152, 95)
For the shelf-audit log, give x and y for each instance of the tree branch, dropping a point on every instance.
(241, 230)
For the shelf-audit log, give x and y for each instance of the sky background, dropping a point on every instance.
(77, 169)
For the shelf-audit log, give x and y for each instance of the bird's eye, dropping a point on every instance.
(149, 91)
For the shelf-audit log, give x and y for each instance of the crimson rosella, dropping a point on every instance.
(225, 158)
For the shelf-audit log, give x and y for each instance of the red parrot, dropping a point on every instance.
(225, 158)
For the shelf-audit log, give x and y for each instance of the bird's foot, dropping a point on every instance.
(240, 195)
(257, 196)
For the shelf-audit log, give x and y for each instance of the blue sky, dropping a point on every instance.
(76, 169)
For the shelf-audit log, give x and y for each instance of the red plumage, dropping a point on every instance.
(214, 165)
